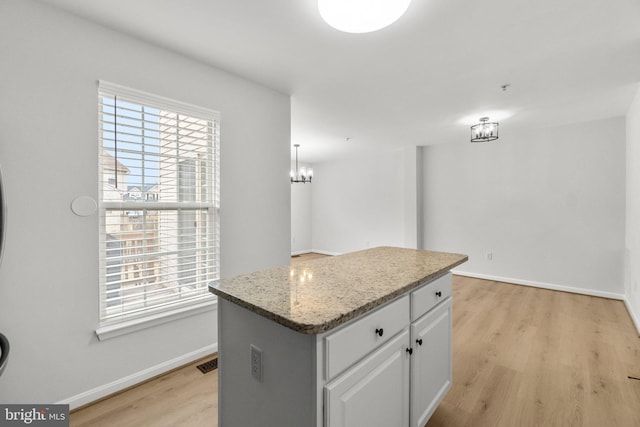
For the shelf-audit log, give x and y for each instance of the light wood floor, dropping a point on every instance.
(183, 397)
(522, 357)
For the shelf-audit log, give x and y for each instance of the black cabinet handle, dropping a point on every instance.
(419, 341)
(380, 331)
(410, 351)
(438, 294)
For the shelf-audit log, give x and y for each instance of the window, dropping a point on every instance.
(159, 205)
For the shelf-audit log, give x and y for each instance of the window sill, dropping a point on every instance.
(112, 331)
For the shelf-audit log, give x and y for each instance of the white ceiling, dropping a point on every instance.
(423, 80)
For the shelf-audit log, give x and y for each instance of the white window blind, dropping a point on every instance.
(159, 203)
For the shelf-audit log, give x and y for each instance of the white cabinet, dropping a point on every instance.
(396, 380)
(375, 392)
(430, 362)
(371, 371)
(429, 295)
(348, 345)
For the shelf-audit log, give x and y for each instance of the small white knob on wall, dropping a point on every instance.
(84, 206)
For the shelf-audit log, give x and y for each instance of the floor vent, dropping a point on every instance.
(633, 378)
(208, 366)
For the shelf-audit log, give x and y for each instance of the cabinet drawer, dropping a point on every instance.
(429, 295)
(348, 345)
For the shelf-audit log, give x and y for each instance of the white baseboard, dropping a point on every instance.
(301, 252)
(583, 291)
(319, 251)
(137, 377)
(315, 251)
(632, 314)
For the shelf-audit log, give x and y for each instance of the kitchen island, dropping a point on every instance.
(357, 339)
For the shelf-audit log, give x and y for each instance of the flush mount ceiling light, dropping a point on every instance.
(361, 16)
(302, 175)
(483, 131)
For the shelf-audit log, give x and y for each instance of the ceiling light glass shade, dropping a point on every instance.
(484, 131)
(361, 16)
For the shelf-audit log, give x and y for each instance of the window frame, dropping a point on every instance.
(114, 325)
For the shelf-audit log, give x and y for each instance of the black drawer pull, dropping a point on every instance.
(410, 351)
(438, 294)
(419, 341)
(380, 331)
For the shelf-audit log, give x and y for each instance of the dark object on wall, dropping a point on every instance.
(4, 352)
(4, 342)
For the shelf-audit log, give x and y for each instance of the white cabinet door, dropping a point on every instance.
(375, 392)
(431, 362)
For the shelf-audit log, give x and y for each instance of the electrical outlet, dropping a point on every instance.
(256, 363)
(489, 256)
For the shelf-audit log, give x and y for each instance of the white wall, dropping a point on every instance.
(412, 170)
(49, 151)
(548, 203)
(359, 203)
(301, 216)
(632, 234)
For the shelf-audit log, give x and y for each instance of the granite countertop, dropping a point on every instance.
(318, 295)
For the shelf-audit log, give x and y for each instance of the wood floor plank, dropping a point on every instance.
(533, 357)
(184, 397)
(522, 357)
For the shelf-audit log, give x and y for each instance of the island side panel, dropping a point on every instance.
(286, 396)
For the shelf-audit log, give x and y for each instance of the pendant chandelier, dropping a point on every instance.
(484, 131)
(303, 174)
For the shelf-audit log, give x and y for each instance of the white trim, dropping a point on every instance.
(300, 253)
(315, 251)
(143, 204)
(205, 251)
(318, 251)
(123, 328)
(137, 377)
(632, 314)
(155, 101)
(554, 287)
